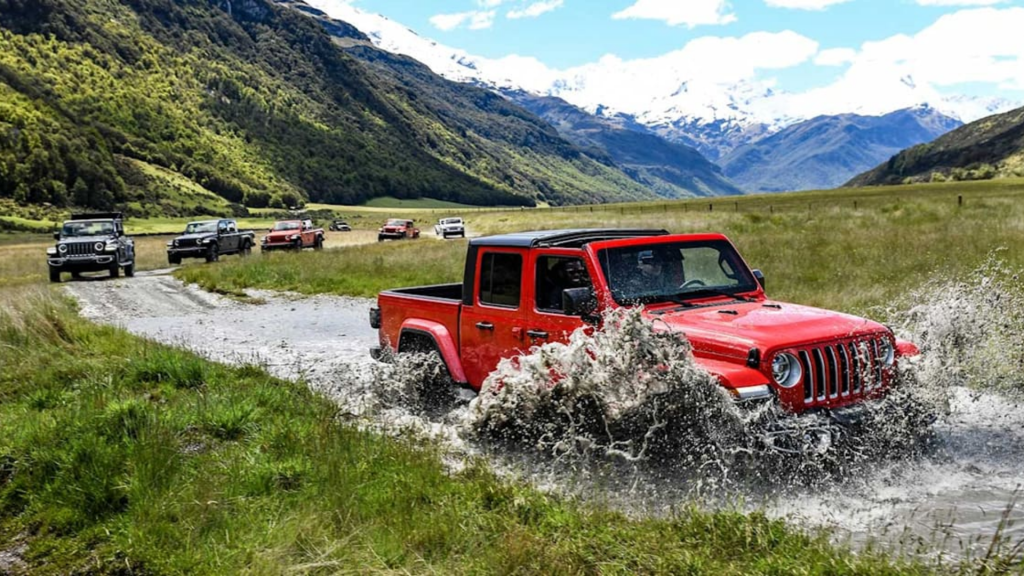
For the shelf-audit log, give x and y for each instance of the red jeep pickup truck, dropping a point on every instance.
(397, 229)
(293, 235)
(529, 288)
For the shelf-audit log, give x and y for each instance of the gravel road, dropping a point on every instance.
(309, 337)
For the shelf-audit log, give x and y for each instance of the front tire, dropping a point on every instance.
(380, 238)
(115, 271)
(129, 270)
(54, 276)
(212, 253)
(173, 260)
(246, 250)
(318, 244)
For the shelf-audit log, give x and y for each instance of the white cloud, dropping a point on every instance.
(536, 9)
(959, 2)
(835, 57)
(812, 4)
(982, 45)
(675, 12)
(489, 3)
(475, 19)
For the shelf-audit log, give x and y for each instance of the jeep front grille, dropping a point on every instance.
(841, 370)
(186, 242)
(80, 249)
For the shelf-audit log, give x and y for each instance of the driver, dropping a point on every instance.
(566, 273)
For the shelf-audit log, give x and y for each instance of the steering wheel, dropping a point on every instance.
(694, 283)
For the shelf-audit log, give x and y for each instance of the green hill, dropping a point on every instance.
(988, 148)
(106, 103)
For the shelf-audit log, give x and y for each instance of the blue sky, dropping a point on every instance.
(578, 32)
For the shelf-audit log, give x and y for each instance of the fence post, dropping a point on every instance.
(854, 204)
(771, 209)
(666, 207)
(959, 200)
(711, 207)
(737, 206)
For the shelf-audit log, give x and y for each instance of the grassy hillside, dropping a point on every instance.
(992, 147)
(120, 456)
(107, 103)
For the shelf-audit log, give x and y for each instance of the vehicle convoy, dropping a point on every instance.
(293, 235)
(447, 227)
(397, 229)
(530, 288)
(210, 239)
(91, 243)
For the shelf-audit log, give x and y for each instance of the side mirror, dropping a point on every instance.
(579, 302)
(760, 278)
(56, 235)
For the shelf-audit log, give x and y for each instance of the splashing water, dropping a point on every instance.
(627, 390)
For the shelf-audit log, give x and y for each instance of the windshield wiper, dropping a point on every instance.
(712, 292)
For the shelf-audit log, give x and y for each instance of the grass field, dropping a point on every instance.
(118, 455)
(852, 250)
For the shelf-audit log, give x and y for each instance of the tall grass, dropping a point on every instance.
(121, 455)
(852, 250)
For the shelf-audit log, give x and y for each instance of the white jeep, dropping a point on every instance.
(447, 227)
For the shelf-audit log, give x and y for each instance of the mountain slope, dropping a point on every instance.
(670, 169)
(254, 102)
(987, 148)
(826, 151)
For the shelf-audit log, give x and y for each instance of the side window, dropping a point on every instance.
(232, 227)
(222, 226)
(555, 274)
(501, 275)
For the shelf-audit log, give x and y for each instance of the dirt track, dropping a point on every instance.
(292, 337)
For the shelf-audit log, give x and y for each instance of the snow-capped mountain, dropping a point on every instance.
(664, 94)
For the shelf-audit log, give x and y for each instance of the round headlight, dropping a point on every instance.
(63, 248)
(886, 351)
(99, 246)
(786, 371)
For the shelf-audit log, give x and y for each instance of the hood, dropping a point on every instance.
(90, 239)
(733, 328)
(198, 236)
(283, 234)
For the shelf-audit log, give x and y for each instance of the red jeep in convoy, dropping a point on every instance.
(530, 288)
(397, 229)
(293, 235)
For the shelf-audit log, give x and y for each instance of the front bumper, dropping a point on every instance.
(269, 246)
(92, 264)
(453, 231)
(392, 235)
(188, 251)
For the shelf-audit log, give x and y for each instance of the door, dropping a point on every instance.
(554, 270)
(227, 240)
(493, 327)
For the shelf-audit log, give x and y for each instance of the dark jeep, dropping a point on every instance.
(91, 243)
(210, 239)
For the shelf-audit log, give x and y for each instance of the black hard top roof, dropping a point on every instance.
(562, 238)
(98, 216)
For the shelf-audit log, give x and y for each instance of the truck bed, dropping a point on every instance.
(427, 308)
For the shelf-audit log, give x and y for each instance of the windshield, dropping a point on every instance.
(396, 222)
(674, 271)
(451, 221)
(201, 227)
(88, 228)
(286, 225)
